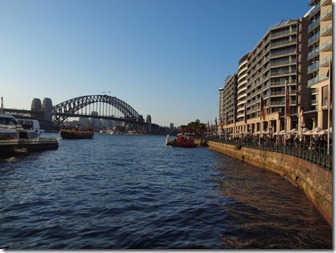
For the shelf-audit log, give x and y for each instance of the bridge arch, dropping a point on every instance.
(63, 110)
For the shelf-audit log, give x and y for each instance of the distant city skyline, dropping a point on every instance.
(164, 58)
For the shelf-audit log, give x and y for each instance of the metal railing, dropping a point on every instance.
(314, 153)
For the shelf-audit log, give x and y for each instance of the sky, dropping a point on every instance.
(165, 58)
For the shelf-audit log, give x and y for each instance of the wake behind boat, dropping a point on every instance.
(77, 132)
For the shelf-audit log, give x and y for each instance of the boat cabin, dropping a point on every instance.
(32, 127)
(9, 122)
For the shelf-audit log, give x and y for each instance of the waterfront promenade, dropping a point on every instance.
(315, 150)
(308, 167)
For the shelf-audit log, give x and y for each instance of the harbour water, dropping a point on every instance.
(134, 192)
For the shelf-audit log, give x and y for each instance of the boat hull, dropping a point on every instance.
(71, 135)
(181, 141)
(39, 144)
(182, 145)
(7, 151)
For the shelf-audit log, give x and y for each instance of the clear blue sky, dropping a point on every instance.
(166, 58)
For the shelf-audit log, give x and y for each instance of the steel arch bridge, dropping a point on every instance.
(72, 107)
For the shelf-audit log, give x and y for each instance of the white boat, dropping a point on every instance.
(9, 135)
(32, 127)
(9, 122)
(14, 138)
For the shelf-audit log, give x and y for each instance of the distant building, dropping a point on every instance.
(83, 121)
(149, 124)
(228, 101)
(95, 122)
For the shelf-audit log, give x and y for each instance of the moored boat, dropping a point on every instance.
(9, 140)
(32, 127)
(14, 139)
(77, 132)
(182, 142)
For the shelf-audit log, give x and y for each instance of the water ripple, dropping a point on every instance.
(134, 192)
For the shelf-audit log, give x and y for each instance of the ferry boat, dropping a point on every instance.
(77, 132)
(14, 139)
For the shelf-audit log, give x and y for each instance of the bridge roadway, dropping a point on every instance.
(40, 114)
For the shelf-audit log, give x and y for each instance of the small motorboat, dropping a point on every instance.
(182, 142)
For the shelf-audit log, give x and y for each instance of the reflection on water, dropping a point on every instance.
(262, 204)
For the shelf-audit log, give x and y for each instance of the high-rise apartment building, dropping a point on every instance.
(278, 59)
(293, 53)
(241, 89)
(320, 54)
(228, 101)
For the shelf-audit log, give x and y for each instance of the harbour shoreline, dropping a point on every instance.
(315, 181)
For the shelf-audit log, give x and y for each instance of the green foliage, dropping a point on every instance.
(194, 127)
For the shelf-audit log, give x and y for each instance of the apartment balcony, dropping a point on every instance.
(280, 93)
(241, 106)
(292, 102)
(313, 81)
(242, 87)
(327, 30)
(315, 10)
(276, 103)
(313, 67)
(313, 53)
(325, 2)
(282, 43)
(314, 102)
(242, 71)
(275, 93)
(281, 103)
(314, 24)
(325, 61)
(241, 97)
(327, 15)
(326, 46)
(282, 73)
(282, 63)
(284, 52)
(241, 79)
(314, 38)
(324, 77)
(240, 110)
(277, 84)
(280, 34)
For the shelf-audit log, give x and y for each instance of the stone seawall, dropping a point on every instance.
(314, 180)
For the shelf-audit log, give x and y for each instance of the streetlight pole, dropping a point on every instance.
(302, 127)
